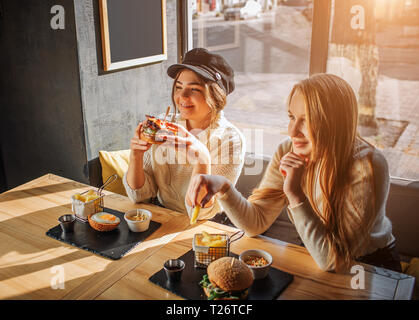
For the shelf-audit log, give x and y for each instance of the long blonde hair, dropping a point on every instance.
(332, 115)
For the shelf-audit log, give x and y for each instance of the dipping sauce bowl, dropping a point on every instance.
(173, 269)
(67, 222)
(138, 220)
(259, 272)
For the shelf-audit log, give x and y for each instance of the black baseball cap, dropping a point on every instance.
(210, 66)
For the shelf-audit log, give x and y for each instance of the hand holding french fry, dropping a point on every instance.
(210, 184)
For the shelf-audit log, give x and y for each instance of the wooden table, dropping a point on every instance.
(309, 281)
(28, 256)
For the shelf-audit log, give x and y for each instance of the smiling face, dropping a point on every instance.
(189, 96)
(297, 127)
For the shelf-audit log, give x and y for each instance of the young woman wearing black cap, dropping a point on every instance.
(210, 143)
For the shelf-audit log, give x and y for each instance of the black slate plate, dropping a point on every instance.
(112, 244)
(188, 287)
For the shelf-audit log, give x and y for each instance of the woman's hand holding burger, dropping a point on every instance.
(137, 145)
(292, 168)
(196, 151)
(135, 173)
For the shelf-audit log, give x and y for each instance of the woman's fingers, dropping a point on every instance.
(176, 141)
(181, 129)
(174, 138)
(138, 129)
(303, 158)
(139, 144)
(141, 148)
(293, 160)
(292, 163)
(206, 199)
(200, 189)
(292, 155)
(284, 168)
(139, 141)
(198, 184)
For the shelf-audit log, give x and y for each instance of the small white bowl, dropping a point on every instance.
(138, 226)
(258, 272)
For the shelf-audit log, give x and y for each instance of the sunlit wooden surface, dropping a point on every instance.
(28, 256)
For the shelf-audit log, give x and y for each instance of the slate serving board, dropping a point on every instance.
(111, 244)
(188, 287)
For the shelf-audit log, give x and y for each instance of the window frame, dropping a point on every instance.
(320, 30)
(319, 35)
(185, 39)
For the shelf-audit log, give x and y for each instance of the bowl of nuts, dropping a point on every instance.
(259, 261)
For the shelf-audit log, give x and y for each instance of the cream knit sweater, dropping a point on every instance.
(167, 173)
(257, 216)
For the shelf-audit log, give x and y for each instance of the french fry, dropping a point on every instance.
(90, 193)
(91, 197)
(218, 243)
(195, 214)
(210, 240)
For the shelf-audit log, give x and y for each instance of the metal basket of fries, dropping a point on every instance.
(89, 202)
(209, 247)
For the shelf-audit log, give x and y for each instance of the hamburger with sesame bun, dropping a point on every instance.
(227, 278)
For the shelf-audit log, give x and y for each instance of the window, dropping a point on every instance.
(374, 45)
(268, 45)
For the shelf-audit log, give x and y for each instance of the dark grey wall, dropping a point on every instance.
(2, 175)
(58, 106)
(41, 118)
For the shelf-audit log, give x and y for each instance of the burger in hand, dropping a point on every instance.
(227, 278)
(154, 130)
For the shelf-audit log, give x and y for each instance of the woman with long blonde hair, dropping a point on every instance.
(333, 183)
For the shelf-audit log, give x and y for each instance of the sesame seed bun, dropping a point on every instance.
(230, 274)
